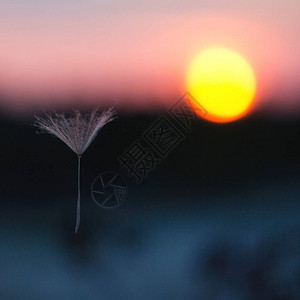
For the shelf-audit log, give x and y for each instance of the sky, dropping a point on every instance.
(137, 53)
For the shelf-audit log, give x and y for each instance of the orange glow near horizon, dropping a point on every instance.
(223, 82)
(63, 60)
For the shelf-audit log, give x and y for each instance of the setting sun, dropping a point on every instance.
(223, 82)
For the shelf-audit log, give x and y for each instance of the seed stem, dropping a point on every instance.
(78, 199)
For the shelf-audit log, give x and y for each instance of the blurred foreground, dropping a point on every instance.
(235, 249)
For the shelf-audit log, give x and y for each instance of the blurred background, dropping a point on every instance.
(219, 216)
(217, 219)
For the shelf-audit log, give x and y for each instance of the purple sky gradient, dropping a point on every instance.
(133, 52)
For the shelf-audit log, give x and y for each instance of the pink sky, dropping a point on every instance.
(139, 57)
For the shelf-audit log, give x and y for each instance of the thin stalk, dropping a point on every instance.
(78, 199)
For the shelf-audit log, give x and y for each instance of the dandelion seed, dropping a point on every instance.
(77, 131)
